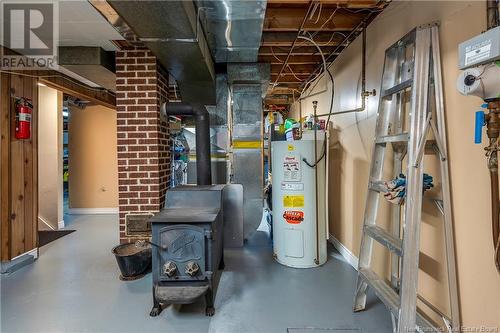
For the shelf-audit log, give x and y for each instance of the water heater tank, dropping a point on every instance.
(299, 233)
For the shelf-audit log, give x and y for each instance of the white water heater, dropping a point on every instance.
(299, 233)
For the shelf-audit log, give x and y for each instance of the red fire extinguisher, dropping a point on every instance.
(24, 108)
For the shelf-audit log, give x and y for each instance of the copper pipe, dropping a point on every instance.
(493, 132)
(492, 14)
(315, 106)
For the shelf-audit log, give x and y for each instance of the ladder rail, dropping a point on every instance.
(372, 197)
(417, 54)
(445, 180)
(413, 208)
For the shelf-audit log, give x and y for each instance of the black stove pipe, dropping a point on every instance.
(202, 123)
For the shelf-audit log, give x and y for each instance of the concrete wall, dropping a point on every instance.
(50, 175)
(350, 154)
(93, 170)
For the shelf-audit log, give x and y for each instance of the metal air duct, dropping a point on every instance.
(203, 165)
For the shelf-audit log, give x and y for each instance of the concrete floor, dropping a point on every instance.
(74, 287)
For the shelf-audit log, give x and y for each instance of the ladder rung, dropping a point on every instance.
(394, 244)
(386, 294)
(397, 88)
(439, 205)
(377, 186)
(390, 298)
(396, 138)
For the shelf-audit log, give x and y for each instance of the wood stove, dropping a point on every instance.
(188, 247)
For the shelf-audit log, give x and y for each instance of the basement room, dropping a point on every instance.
(250, 166)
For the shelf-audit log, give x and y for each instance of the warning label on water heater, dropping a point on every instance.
(291, 168)
(293, 216)
(293, 201)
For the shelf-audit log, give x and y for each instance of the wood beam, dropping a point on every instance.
(277, 101)
(343, 3)
(286, 39)
(285, 78)
(291, 18)
(72, 88)
(299, 68)
(292, 60)
(303, 50)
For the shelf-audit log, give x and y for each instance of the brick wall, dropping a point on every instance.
(142, 138)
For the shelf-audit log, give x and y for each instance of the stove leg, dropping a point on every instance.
(209, 299)
(157, 307)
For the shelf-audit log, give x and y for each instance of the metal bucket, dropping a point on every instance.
(133, 260)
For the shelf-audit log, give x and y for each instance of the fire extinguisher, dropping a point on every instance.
(24, 108)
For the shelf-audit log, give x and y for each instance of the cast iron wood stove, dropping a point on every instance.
(188, 247)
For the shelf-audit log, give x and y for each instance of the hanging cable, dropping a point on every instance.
(291, 71)
(274, 55)
(325, 68)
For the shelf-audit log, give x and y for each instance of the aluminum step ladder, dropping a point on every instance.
(410, 111)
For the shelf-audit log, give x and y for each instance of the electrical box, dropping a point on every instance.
(479, 50)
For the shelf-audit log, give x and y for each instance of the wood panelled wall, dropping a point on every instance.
(18, 175)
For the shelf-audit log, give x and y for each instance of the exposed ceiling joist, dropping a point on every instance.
(293, 60)
(332, 19)
(332, 24)
(343, 3)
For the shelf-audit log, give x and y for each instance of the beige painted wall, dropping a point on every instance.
(50, 175)
(351, 153)
(93, 170)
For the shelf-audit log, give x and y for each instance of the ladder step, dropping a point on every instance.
(386, 294)
(439, 205)
(394, 244)
(390, 298)
(377, 186)
(396, 138)
(397, 88)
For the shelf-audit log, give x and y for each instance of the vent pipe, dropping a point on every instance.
(202, 125)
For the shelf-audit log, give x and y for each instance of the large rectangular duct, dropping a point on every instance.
(248, 84)
(172, 31)
(90, 62)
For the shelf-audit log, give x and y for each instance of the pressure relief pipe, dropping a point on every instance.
(202, 124)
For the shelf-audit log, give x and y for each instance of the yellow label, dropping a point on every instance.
(291, 147)
(293, 201)
(247, 144)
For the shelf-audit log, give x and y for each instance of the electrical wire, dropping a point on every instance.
(370, 10)
(274, 55)
(319, 14)
(291, 71)
(323, 154)
(320, 28)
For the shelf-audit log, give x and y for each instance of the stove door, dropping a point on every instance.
(184, 257)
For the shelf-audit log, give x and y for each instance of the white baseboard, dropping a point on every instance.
(33, 253)
(345, 252)
(92, 211)
(60, 224)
